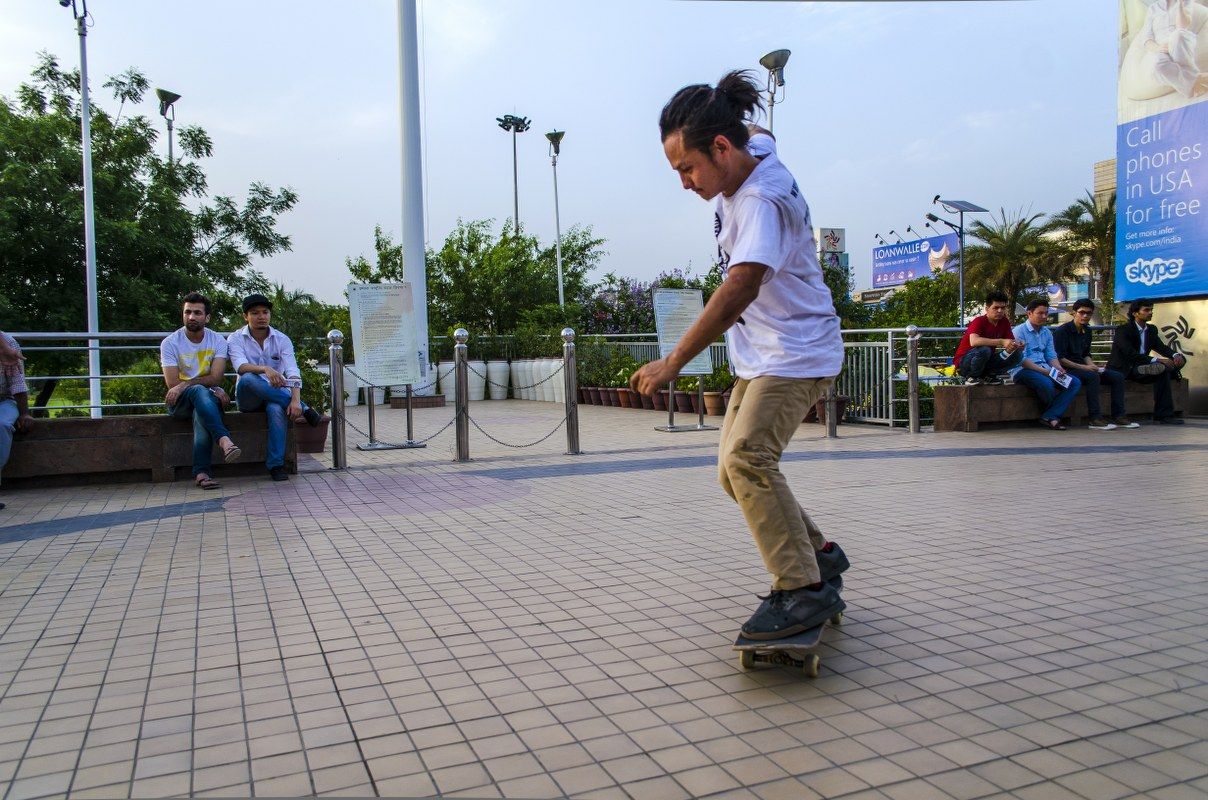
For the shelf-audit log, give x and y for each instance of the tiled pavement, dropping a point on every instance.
(1027, 618)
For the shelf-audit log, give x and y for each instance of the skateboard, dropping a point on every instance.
(791, 651)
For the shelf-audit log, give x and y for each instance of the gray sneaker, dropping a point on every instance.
(832, 564)
(1151, 369)
(788, 612)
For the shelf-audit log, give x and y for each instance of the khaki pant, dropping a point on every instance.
(763, 415)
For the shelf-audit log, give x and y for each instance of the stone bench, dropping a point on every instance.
(971, 407)
(155, 447)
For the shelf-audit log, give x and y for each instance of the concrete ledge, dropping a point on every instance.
(134, 448)
(971, 408)
(419, 401)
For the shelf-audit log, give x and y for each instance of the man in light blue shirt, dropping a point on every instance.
(1039, 362)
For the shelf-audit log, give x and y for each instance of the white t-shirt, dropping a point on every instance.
(791, 329)
(192, 359)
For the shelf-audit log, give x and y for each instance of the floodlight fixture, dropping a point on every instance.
(514, 125)
(774, 63)
(957, 207)
(895, 233)
(168, 112)
(912, 230)
(877, 236)
(555, 147)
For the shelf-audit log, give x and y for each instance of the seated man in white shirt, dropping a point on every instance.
(193, 359)
(269, 378)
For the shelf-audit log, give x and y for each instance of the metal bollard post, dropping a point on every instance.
(462, 393)
(335, 358)
(912, 374)
(570, 383)
(832, 414)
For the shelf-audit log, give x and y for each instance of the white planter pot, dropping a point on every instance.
(559, 383)
(497, 375)
(515, 378)
(526, 378)
(444, 371)
(352, 394)
(547, 383)
(476, 377)
(379, 395)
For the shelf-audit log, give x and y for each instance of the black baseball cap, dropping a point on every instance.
(253, 300)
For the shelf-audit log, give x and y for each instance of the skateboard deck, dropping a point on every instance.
(791, 651)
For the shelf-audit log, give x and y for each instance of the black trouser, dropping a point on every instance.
(1090, 382)
(981, 362)
(1163, 400)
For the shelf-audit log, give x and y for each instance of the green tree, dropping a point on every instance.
(1014, 255)
(158, 233)
(852, 313)
(1086, 237)
(489, 283)
(929, 302)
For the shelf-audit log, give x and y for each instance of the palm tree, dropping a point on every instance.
(1014, 256)
(1088, 238)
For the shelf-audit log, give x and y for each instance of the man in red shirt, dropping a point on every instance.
(975, 357)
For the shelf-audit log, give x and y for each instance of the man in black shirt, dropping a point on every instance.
(1073, 344)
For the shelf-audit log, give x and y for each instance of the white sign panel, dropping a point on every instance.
(833, 240)
(674, 312)
(383, 333)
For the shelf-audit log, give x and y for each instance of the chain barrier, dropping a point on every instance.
(516, 388)
(350, 424)
(366, 384)
(561, 422)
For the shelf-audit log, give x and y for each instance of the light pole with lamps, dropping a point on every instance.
(79, 10)
(514, 125)
(168, 112)
(774, 63)
(555, 147)
(957, 207)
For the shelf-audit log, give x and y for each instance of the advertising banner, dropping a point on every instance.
(1161, 170)
(894, 264)
(383, 333)
(833, 240)
(674, 312)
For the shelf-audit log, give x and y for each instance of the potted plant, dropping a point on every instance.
(717, 382)
(684, 387)
(316, 393)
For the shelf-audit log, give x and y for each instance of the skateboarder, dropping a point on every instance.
(781, 331)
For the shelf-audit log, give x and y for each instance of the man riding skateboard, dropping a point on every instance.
(782, 334)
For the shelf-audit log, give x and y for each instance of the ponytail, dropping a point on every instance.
(700, 112)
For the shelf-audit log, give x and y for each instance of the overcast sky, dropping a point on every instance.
(1006, 104)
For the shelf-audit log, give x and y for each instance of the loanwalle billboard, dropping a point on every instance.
(1161, 164)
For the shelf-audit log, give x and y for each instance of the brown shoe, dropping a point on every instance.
(1125, 422)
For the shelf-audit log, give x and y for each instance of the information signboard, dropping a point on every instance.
(674, 312)
(383, 333)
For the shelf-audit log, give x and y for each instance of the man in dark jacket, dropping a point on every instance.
(1073, 343)
(1131, 347)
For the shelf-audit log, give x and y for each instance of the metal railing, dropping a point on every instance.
(874, 379)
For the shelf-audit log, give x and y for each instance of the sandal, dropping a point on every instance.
(232, 453)
(206, 482)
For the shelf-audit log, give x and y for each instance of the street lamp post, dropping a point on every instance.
(774, 63)
(79, 10)
(168, 112)
(514, 125)
(555, 147)
(957, 207)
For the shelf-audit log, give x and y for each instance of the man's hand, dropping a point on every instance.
(652, 377)
(173, 395)
(273, 377)
(1011, 345)
(10, 356)
(295, 411)
(24, 422)
(221, 396)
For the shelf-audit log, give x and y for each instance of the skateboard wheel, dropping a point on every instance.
(747, 659)
(810, 667)
(837, 619)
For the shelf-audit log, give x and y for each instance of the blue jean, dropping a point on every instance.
(200, 404)
(254, 393)
(986, 362)
(8, 421)
(1092, 380)
(1055, 399)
